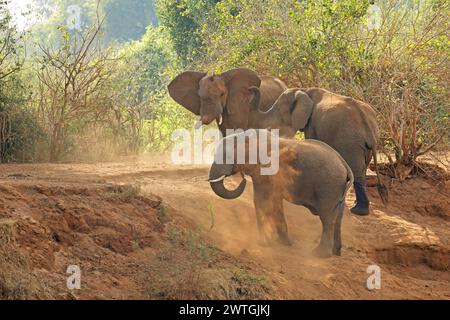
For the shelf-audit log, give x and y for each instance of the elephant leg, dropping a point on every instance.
(362, 201)
(280, 223)
(269, 212)
(337, 229)
(271, 220)
(260, 196)
(325, 247)
(264, 228)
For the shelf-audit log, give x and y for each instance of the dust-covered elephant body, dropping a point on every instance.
(311, 174)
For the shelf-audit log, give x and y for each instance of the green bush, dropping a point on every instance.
(21, 130)
(399, 65)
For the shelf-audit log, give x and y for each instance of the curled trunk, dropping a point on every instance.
(217, 176)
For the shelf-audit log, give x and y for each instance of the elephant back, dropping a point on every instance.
(271, 88)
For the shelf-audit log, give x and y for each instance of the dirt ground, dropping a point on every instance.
(143, 228)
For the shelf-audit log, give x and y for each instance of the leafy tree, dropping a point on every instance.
(10, 58)
(144, 115)
(71, 87)
(399, 65)
(18, 128)
(184, 19)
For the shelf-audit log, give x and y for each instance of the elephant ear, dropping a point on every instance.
(285, 104)
(295, 108)
(184, 90)
(302, 110)
(238, 82)
(255, 97)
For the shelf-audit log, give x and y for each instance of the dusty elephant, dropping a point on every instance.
(311, 174)
(224, 97)
(344, 123)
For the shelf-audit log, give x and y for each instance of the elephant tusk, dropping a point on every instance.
(198, 124)
(220, 120)
(218, 179)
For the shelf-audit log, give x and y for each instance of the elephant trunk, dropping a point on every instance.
(217, 175)
(210, 110)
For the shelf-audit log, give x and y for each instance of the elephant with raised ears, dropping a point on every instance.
(346, 124)
(310, 173)
(225, 97)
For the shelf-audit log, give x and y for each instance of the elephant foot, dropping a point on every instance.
(361, 207)
(264, 243)
(337, 251)
(322, 252)
(266, 240)
(281, 239)
(360, 210)
(284, 239)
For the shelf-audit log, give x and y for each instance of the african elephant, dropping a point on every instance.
(310, 174)
(344, 123)
(224, 97)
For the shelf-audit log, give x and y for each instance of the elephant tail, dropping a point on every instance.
(350, 179)
(382, 190)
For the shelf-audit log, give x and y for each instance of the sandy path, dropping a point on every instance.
(411, 250)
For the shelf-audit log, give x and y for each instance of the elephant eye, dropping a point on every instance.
(222, 94)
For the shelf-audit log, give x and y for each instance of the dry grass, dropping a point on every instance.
(188, 268)
(17, 281)
(125, 192)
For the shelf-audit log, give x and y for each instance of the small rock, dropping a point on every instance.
(245, 253)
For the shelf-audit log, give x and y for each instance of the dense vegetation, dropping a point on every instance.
(99, 90)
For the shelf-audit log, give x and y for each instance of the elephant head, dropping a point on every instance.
(225, 165)
(253, 152)
(290, 113)
(224, 98)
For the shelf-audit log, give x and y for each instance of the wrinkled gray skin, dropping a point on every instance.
(346, 124)
(311, 174)
(225, 96)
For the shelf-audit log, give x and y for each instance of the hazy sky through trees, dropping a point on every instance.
(18, 8)
(126, 19)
